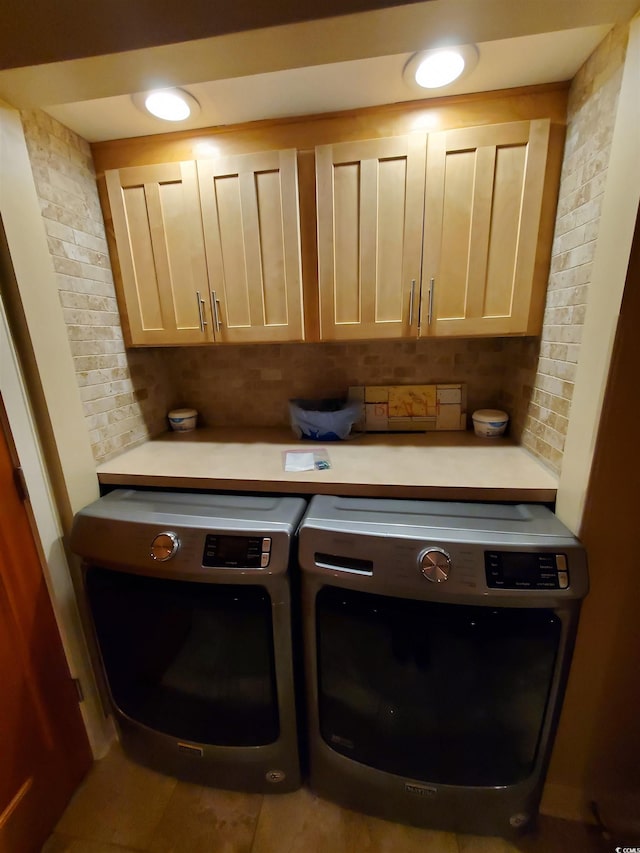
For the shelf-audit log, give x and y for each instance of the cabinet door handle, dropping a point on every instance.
(411, 298)
(215, 306)
(432, 287)
(203, 322)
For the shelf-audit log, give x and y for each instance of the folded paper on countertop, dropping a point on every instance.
(306, 460)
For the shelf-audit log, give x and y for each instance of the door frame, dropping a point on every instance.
(48, 536)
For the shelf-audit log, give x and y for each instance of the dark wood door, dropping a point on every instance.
(44, 751)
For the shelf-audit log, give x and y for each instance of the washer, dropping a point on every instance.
(189, 602)
(438, 638)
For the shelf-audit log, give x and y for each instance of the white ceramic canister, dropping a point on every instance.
(489, 422)
(183, 420)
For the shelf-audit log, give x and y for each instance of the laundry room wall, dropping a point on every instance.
(124, 392)
(592, 108)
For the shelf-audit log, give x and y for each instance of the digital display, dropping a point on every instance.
(525, 570)
(232, 549)
(242, 552)
(519, 566)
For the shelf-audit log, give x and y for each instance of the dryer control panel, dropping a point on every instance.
(526, 570)
(233, 552)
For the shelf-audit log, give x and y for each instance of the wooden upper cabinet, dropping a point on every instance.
(251, 223)
(446, 234)
(370, 198)
(163, 273)
(482, 273)
(209, 251)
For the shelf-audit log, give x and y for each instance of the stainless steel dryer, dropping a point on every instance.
(190, 605)
(438, 638)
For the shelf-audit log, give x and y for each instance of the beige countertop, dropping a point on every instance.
(446, 465)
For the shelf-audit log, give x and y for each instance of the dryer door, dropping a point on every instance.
(441, 693)
(192, 660)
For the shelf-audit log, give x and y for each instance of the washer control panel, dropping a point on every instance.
(236, 552)
(526, 570)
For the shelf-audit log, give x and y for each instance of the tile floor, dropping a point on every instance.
(124, 808)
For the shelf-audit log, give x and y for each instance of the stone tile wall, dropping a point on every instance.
(521, 355)
(591, 115)
(236, 385)
(124, 394)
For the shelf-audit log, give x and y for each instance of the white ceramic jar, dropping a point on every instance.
(183, 420)
(489, 422)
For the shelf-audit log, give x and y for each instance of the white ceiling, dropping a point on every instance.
(550, 57)
(318, 66)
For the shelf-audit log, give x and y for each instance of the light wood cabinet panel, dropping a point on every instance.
(370, 197)
(445, 234)
(163, 274)
(251, 227)
(483, 209)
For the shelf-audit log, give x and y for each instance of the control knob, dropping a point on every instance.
(164, 546)
(435, 565)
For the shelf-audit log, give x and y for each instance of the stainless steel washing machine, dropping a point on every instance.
(190, 605)
(438, 638)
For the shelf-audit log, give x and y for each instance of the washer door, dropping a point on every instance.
(441, 693)
(192, 660)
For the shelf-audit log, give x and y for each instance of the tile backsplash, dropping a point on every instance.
(236, 385)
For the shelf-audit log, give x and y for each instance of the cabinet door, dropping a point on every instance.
(370, 204)
(252, 237)
(163, 271)
(483, 204)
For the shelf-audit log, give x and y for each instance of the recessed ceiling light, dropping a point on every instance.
(438, 69)
(167, 104)
(432, 69)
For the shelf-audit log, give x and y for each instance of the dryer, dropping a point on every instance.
(438, 638)
(190, 607)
